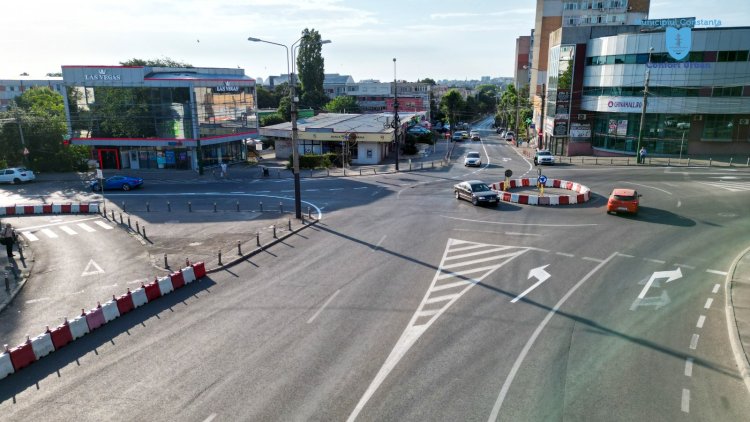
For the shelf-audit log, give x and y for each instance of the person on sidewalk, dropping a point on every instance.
(642, 155)
(8, 238)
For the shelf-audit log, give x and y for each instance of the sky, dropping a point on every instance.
(439, 39)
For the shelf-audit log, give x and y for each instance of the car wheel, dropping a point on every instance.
(458, 196)
(16, 180)
(474, 201)
(535, 163)
(126, 187)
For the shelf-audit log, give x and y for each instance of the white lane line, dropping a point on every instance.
(527, 291)
(482, 252)
(717, 272)
(472, 262)
(657, 261)
(41, 299)
(103, 225)
(569, 255)
(379, 242)
(689, 267)
(68, 230)
(336, 189)
(30, 236)
(210, 417)
(716, 288)
(689, 367)
(527, 347)
(685, 406)
(591, 259)
(647, 186)
(701, 321)
(236, 192)
(361, 187)
(311, 190)
(679, 203)
(625, 255)
(694, 341)
(86, 227)
(49, 233)
(709, 301)
(521, 234)
(287, 190)
(441, 298)
(266, 191)
(520, 224)
(312, 318)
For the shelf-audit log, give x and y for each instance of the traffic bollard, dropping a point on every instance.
(169, 207)
(190, 206)
(129, 226)
(281, 207)
(121, 218)
(238, 206)
(730, 161)
(328, 172)
(7, 282)
(257, 238)
(290, 224)
(214, 206)
(144, 233)
(239, 248)
(113, 215)
(219, 256)
(166, 264)
(137, 228)
(261, 206)
(274, 231)
(709, 161)
(148, 207)
(688, 162)
(309, 215)
(360, 172)
(123, 205)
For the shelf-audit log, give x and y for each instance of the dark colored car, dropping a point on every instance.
(477, 192)
(117, 182)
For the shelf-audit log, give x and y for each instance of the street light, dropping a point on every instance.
(293, 113)
(396, 122)
(643, 107)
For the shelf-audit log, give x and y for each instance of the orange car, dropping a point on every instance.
(623, 200)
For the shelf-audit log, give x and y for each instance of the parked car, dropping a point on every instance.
(477, 192)
(473, 159)
(117, 182)
(509, 135)
(460, 135)
(417, 130)
(623, 200)
(543, 156)
(16, 175)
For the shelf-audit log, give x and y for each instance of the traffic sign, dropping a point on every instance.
(542, 179)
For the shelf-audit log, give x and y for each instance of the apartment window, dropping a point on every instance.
(12, 88)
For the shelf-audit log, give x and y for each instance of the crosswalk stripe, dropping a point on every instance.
(441, 298)
(730, 186)
(464, 248)
(448, 286)
(103, 225)
(466, 255)
(49, 233)
(86, 227)
(30, 236)
(475, 261)
(68, 230)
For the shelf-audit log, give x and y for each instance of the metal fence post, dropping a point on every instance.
(290, 224)
(274, 231)
(137, 228)
(257, 238)
(129, 226)
(239, 248)
(281, 207)
(166, 264)
(219, 256)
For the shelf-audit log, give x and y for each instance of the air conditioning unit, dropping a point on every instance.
(697, 117)
(745, 122)
(581, 117)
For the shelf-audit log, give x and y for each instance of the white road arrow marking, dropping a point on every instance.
(669, 275)
(540, 274)
(92, 268)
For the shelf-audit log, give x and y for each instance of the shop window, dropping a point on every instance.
(717, 127)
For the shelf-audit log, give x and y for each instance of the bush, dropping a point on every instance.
(315, 161)
(409, 149)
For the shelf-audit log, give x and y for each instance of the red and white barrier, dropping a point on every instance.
(14, 359)
(583, 193)
(36, 209)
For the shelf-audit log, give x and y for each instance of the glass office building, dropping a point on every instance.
(151, 117)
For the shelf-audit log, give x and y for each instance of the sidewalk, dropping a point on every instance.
(738, 281)
(15, 273)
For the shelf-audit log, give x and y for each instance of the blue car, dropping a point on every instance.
(117, 182)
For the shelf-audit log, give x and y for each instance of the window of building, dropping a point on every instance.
(717, 127)
(620, 59)
(641, 58)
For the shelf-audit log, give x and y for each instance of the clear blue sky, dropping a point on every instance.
(430, 38)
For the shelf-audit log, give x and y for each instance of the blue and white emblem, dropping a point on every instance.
(678, 42)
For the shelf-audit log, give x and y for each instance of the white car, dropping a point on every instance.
(543, 156)
(473, 159)
(16, 175)
(509, 135)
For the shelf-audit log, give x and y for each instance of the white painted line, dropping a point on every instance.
(486, 251)
(59, 223)
(30, 236)
(210, 417)
(441, 298)
(521, 234)
(592, 259)
(709, 301)
(267, 191)
(689, 267)
(474, 261)
(569, 255)
(647, 186)
(86, 227)
(716, 288)
(312, 318)
(679, 203)
(237, 192)
(68, 230)
(336, 189)
(701, 321)
(427, 313)
(717, 272)
(103, 225)
(527, 347)
(689, 367)
(463, 248)
(49, 233)
(448, 274)
(41, 299)
(361, 187)
(288, 190)
(625, 255)
(657, 261)
(450, 285)
(311, 190)
(527, 291)
(520, 224)
(685, 406)
(377, 191)
(379, 242)
(694, 341)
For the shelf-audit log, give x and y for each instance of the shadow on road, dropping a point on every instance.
(659, 216)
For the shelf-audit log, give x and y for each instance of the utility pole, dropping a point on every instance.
(23, 140)
(295, 148)
(540, 131)
(515, 132)
(643, 107)
(396, 122)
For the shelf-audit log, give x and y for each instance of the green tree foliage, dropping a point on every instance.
(343, 104)
(42, 117)
(510, 100)
(451, 104)
(310, 65)
(271, 119)
(266, 98)
(163, 62)
(122, 113)
(285, 110)
(428, 81)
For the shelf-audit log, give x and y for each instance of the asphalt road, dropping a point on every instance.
(405, 304)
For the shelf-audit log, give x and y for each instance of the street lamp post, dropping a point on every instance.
(396, 122)
(643, 108)
(293, 115)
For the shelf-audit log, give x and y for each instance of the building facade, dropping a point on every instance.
(10, 88)
(521, 68)
(153, 117)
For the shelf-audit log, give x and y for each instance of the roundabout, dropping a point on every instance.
(581, 193)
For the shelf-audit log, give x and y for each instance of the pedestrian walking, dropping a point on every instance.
(223, 169)
(8, 238)
(642, 155)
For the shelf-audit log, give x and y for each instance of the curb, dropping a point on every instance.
(734, 330)
(261, 248)
(583, 193)
(28, 257)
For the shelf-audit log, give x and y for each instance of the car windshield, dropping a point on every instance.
(544, 153)
(472, 155)
(479, 187)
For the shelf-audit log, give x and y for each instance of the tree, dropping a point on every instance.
(271, 119)
(285, 110)
(266, 98)
(163, 62)
(55, 74)
(451, 103)
(427, 81)
(343, 104)
(310, 65)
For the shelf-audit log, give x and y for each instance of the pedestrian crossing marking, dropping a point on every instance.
(730, 186)
(86, 227)
(30, 236)
(50, 233)
(68, 230)
(103, 225)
